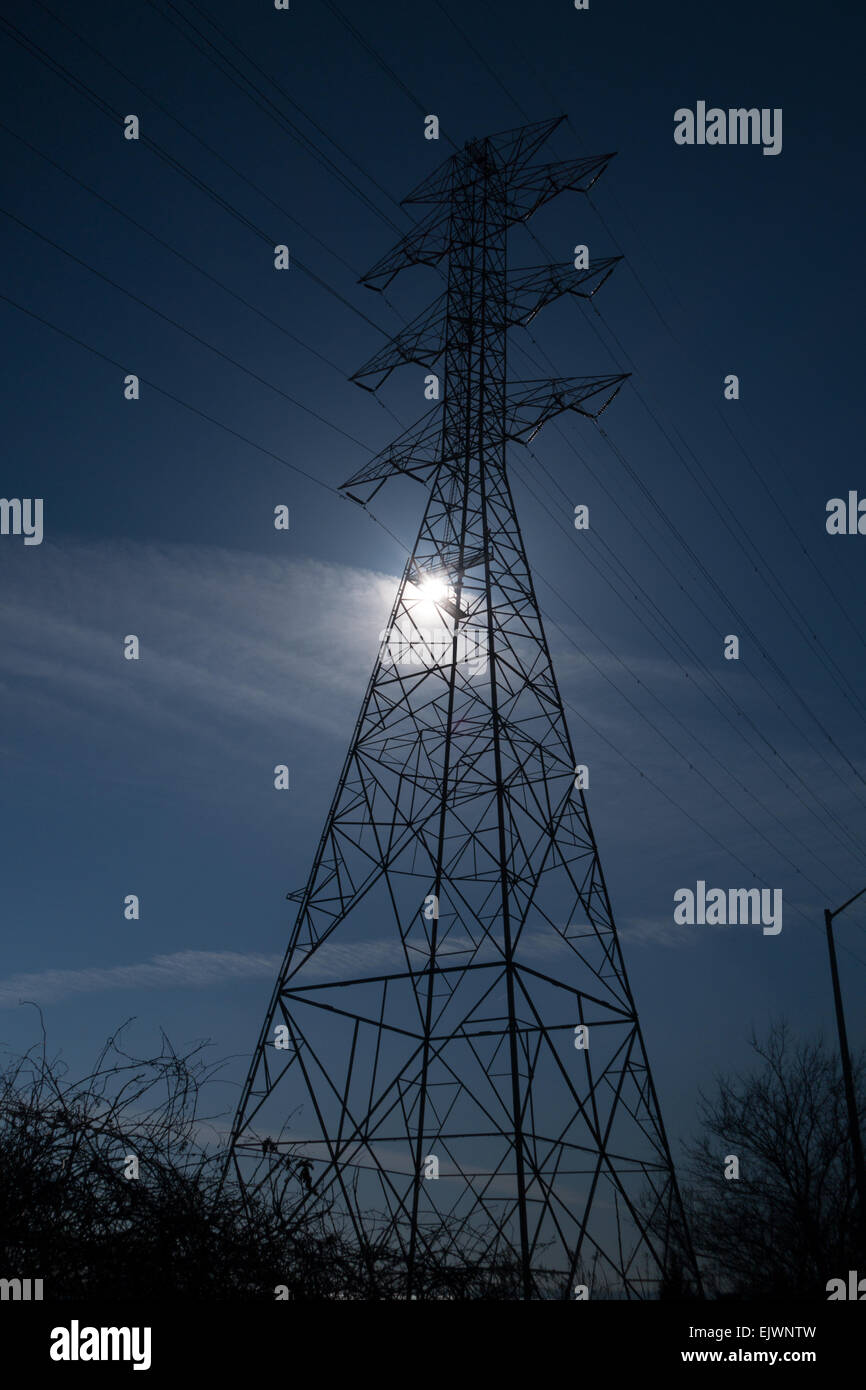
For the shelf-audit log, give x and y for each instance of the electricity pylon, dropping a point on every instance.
(452, 1030)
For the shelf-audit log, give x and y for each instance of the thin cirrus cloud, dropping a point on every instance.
(191, 970)
(182, 969)
(227, 637)
(233, 645)
(229, 640)
(209, 969)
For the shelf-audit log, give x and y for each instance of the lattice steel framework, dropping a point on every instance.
(455, 931)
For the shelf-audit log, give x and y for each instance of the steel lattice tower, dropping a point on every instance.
(458, 858)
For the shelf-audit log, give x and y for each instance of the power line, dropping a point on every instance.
(690, 362)
(645, 776)
(746, 627)
(162, 391)
(195, 337)
(482, 60)
(752, 555)
(217, 349)
(786, 606)
(188, 261)
(271, 454)
(755, 557)
(380, 61)
(666, 708)
(677, 637)
(83, 90)
(233, 43)
(261, 100)
(705, 574)
(194, 410)
(272, 111)
(521, 110)
(672, 802)
(187, 331)
(783, 514)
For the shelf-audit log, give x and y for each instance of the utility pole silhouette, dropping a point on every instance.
(452, 1029)
(847, 1072)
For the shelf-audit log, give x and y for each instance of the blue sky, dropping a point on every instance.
(156, 777)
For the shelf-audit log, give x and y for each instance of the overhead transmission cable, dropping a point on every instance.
(349, 306)
(271, 454)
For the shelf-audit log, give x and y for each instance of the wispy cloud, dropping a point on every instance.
(656, 931)
(229, 640)
(181, 970)
(206, 969)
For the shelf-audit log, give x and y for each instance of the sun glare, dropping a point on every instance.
(434, 589)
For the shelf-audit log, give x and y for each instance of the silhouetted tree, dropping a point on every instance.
(789, 1222)
(115, 1185)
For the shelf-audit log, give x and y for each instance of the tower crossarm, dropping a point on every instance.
(539, 184)
(531, 404)
(530, 291)
(426, 244)
(420, 450)
(526, 188)
(416, 453)
(421, 341)
(510, 151)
